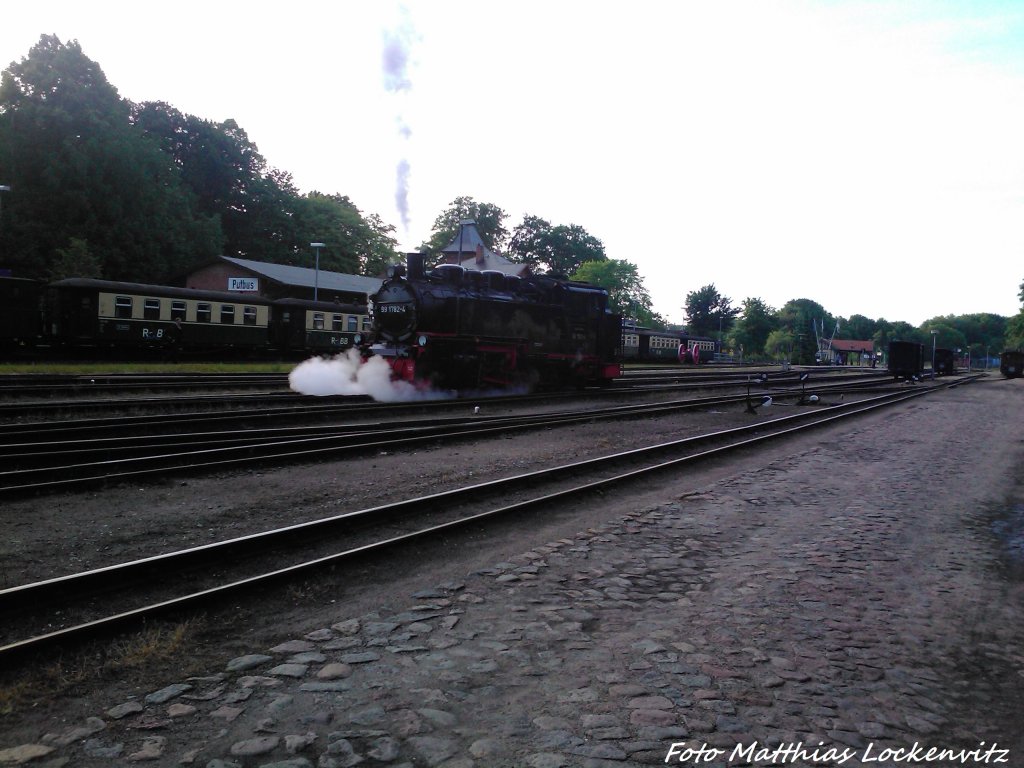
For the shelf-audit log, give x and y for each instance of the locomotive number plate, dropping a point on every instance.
(392, 309)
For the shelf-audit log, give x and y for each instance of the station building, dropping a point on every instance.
(277, 281)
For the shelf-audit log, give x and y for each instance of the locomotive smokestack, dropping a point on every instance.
(415, 262)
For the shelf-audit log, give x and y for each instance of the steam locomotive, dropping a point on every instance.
(454, 328)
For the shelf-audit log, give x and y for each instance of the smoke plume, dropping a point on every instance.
(395, 63)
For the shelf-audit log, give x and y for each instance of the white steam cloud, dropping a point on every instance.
(349, 374)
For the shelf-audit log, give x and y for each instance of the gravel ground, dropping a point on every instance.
(60, 534)
(68, 533)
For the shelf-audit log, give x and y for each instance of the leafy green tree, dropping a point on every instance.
(857, 327)
(981, 331)
(528, 244)
(489, 219)
(798, 316)
(382, 248)
(751, 330)
(626, 292)
(780, 344)
(947, 337)
(708, 313)
(75, 261)
(557, 249)
(81, 171)
(1015, 326)
(354, 244)
(1015, 332)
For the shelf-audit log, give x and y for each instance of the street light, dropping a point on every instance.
(316, 274)
(934, 334)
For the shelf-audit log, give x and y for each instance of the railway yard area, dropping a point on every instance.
(848, 594)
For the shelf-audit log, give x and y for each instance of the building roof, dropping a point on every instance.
(852, 345)
(481, 258)
(304, 277)
(465, 241)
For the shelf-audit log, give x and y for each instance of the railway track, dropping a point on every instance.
(117, 598)
(74, 456)
(55, 385)
(56, 397)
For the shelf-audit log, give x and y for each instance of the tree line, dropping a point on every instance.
(100, 186)
(104, 187)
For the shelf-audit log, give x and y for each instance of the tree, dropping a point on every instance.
(947, 337)
(858, 327)
(1015, 326)
(626, 292)
(779, 345)
(798, 317)
(75, 261)
(1015, 332)
(489, 219)
(82, 172)
(708, 313)
(557, 249)
(382, 250)
(753, 327)
(354, 244)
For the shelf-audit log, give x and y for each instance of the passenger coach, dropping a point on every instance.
(85, 312)
(319, 327)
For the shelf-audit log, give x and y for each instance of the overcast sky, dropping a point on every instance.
(867, 155)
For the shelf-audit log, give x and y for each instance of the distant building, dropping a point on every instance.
(481, 258)
(276, 281)
(849, 352)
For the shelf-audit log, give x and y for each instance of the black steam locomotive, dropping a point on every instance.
(454, 328)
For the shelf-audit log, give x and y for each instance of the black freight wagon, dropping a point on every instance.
(1011, 364)
(945, 362)
(906, 359)
(21, 323)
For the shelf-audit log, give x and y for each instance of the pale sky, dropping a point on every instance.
(868, 155)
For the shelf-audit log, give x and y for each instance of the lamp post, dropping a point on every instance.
(934, 334)
(316, 274)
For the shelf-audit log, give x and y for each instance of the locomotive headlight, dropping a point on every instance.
(422, 340)
(357, 339)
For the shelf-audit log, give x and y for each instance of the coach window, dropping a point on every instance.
(249, 315)
(178, 310)
(123, 306)
(353, 323)
(337, 323)
(366, 323)
(227, 314)
(318, 321)
(204, 313)
(151, 309)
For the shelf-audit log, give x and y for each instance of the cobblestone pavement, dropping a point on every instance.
(844, 601)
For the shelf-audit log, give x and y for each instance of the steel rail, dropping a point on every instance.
(77, 583)
(162, 459)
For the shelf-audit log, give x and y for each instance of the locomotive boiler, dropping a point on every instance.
(454, 328)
